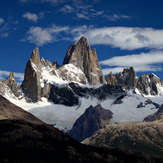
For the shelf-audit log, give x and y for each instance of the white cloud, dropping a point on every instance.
(115, 17)
(41, 36)
(4, 35)
(67, 9)
(82, 16)
(30, 16)
(126, 38)
(81, 11)
(4, 75)
(1, 20)
(141, 62)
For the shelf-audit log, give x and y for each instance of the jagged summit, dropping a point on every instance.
(31, 81)
(35, 57)
(11, 77)
(148, 84)
(80, 55)
(11, 80)
(55, 64)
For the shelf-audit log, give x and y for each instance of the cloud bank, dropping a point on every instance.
(141, 62)
(125, 38)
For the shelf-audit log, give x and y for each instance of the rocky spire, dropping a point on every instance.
(35, 57)
(11, 79)
(55, 64)
(31, 83)
(12, 84)
(127, 79)
(80, 55)
(110, 79)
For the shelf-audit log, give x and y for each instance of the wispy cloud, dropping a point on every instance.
(30, 16)
(41, 36)
(4, 75)
(67, 9)
(55, 1)
(81, 11)
(116, 17)
(7, 26)
(141, 62)
(1, 21)
(5, 34)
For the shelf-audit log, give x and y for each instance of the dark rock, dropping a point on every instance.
(119, 100)
(156, 116)
(141, 105)
(63, 96)
(106, 91)
(92, 120)
(148, 101)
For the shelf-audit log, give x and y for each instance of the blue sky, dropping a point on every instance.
(125, 33)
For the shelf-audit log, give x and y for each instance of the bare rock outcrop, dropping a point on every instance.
(92, 120)
(31, 83)
(80, 55)
(127, 79)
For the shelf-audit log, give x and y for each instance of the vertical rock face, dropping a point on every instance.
(31, 83)
(12, 84)
(81, 56)
(35, 57)
(55, 64)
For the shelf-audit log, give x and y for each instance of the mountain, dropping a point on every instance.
(24, 138)
(146, 84)
(88, 123)
(48, 86)
(80, 55)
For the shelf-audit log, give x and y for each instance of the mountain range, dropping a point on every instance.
(117, 111)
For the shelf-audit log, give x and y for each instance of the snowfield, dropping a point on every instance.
(63, 117)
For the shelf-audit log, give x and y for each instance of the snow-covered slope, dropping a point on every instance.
(131, 108)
